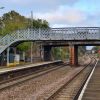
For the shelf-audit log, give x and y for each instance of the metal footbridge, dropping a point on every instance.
(51, 34)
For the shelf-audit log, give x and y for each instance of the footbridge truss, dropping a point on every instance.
(51, 34)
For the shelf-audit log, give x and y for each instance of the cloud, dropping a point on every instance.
(63, 16)
(43, 2)
(58, 12)
(43, 5)
(66, 16)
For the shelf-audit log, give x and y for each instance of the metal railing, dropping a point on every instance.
(70, 33)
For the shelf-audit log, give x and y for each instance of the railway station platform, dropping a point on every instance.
(92, 90)
(9, 69)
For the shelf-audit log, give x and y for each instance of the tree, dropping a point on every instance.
(81, 50)
(14, 21)
(39, 23)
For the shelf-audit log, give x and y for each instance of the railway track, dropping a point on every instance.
(70, 89)
(9, 79)
(37, 87)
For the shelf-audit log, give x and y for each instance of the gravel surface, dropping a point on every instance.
(69, 91)
(25, 90)
(34, 88)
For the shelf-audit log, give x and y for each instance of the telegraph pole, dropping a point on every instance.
(31, 42)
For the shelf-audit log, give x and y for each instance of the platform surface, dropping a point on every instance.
(9, 69)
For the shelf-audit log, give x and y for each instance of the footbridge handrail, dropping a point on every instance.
(70, 33)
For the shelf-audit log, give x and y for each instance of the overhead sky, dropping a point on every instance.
(58, 13)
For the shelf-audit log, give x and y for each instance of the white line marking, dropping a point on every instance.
(85, 86)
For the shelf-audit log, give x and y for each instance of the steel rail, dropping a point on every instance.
(20, 79)
(81, 91)
(67, 83)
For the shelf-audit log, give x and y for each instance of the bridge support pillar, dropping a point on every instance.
(47, 53)
(73, 55)
(8, 54)
(15, 52)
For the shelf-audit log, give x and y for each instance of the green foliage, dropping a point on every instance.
(81, 50)
(40, 23)
(12, 21)
(56, 53)
(96, 48)
(63, 52)
(24, 46)
(60, 53)
(96, 51)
